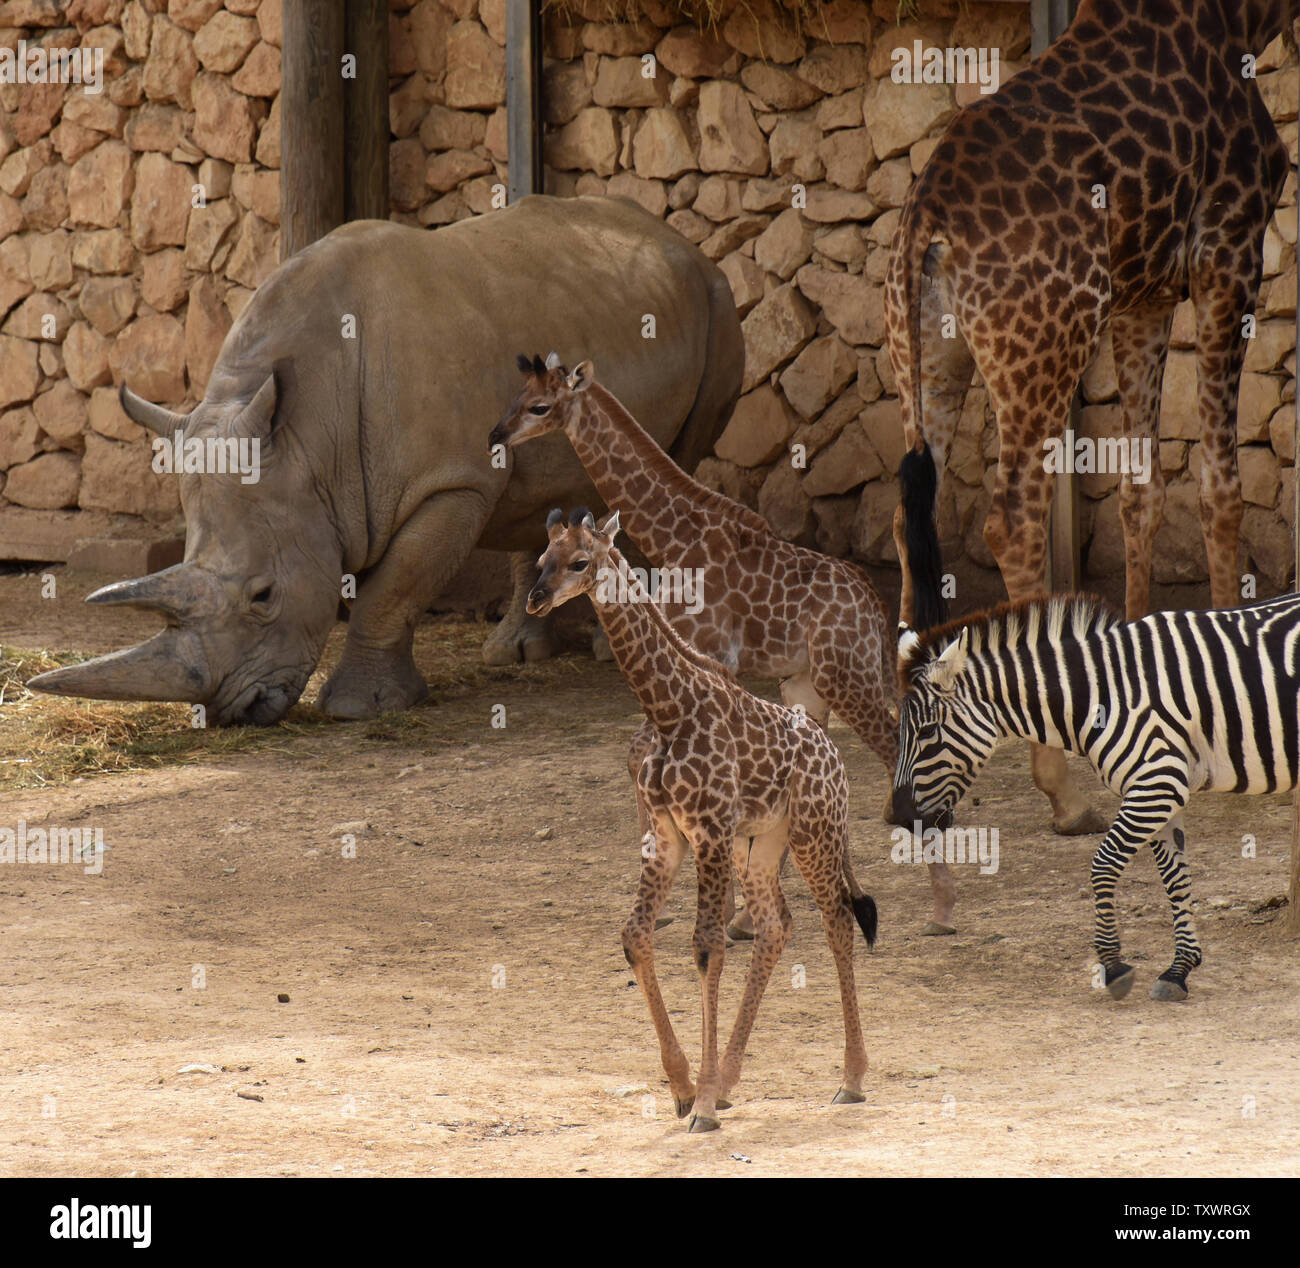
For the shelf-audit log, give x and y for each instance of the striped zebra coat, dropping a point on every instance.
(1176, 703)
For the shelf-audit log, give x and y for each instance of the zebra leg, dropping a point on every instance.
(1171, 860)
(1146, 811)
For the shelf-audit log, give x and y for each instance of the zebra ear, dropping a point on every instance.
(946, 670)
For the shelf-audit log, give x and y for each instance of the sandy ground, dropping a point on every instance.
(458, 1002)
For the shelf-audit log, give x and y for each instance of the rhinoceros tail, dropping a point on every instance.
(719, 389)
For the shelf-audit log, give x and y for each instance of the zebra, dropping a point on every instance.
(1175, 703)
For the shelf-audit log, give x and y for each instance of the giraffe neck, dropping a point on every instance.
(663, 508)
(668, 677)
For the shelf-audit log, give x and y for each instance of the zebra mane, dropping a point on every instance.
(1052, 618)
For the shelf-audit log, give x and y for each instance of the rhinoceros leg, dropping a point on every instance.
(519, 636)
(377, 673)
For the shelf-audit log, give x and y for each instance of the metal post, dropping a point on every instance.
(524, 99)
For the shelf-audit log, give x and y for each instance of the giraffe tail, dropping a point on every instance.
(920, 484)
(864, 906)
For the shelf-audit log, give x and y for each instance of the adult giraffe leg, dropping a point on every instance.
(1140, 338)
(1223, 295)
(713, 869)
(1016, 532)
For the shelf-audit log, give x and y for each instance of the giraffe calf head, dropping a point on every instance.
(575, 557)
(549, 397)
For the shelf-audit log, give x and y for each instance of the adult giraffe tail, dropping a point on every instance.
(917, 476)
(864, 906)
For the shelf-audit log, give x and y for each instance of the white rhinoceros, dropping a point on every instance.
(371, 368)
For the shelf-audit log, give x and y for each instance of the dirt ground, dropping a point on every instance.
(458, 1002)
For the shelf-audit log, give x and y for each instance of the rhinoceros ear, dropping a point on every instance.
(255, 418)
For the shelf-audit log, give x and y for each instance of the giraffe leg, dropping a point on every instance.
(758, 864)
(659, 866)
(796, 690)
(713, 868)
(1140, 338)
(819, 849)
(1223, 289)
(1016, 532)
(1172, 862)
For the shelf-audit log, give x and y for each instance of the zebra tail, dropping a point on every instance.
(920, 482)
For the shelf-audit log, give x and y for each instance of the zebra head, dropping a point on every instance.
(945, 734)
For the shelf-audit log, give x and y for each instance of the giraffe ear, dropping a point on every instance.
(946, 670)
(581, 378)
(609, 529)
(553, 360)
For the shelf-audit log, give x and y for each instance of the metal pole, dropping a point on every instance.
(524, 99)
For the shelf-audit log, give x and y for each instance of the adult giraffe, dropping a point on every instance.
(1129, 166)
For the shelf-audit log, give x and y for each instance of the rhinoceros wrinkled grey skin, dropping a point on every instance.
(374, 454)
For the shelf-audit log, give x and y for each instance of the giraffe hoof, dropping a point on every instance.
(1122, 983)
(684, 1106)
(1088, 822)
(703, 1123)
(846, 1097)
(740, 933)
(1168, 991)
(934, 929)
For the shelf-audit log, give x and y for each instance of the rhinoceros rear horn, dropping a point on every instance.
(169, 666)
(181, 593)
(147, 414)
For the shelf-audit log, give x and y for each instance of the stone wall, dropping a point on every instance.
(135, 224)
(97, 227)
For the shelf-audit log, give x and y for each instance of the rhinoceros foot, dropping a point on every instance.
(527, 639)
(357, 693)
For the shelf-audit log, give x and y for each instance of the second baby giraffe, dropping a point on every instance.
(736, 780)
(770, 608)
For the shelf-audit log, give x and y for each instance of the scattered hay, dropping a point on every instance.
(46, 741)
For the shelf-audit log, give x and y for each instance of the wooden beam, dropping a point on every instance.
(311, 126)
(365, 112)
(525, 174)
(1293, 911)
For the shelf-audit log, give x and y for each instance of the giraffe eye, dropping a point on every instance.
(539, 410)
(579, 565)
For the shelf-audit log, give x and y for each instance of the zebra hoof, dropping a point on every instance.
(1121, 983)
(846, 1097)
(1088, 822)
(934, 929)
(1168, 991)
(702, 1123)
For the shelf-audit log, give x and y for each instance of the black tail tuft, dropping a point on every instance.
(864, 909)
(920, 482)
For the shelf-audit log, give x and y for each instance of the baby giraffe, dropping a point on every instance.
(737, 780)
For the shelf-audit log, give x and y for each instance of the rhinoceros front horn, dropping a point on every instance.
(147, 414)
(170, 666)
